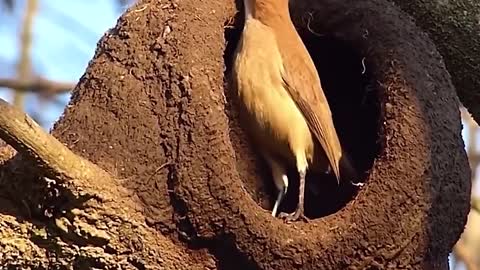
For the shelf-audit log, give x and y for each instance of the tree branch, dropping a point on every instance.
(100, 215)
(38, 84)
(24, 65)
(26, 136)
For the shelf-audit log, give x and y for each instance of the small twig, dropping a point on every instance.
(141, 9)
(51, 156)
(37, 85)
(230, 23)
(24, 61)
(159, 169)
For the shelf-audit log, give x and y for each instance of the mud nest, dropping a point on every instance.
(166, 126)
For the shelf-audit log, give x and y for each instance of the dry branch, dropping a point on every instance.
(24, 61)
(38, 85)
(94, 230)
(26, 136)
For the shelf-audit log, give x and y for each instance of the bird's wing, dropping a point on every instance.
(304, 87)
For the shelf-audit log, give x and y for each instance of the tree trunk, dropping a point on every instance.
(176, 184)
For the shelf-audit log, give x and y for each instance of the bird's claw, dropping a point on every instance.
(291, 217)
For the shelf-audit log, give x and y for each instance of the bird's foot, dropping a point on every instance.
(291, 217)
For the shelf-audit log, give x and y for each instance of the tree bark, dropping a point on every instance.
(154, 171)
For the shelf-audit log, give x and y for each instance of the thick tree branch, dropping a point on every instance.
(40, 85)
(92, 228)
(26, 136)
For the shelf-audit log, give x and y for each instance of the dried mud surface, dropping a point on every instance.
(155, 109)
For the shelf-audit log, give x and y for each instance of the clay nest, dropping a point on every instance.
(155, 110)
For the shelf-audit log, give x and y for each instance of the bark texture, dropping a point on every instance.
(178, 185)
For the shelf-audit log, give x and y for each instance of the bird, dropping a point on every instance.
(282, 103)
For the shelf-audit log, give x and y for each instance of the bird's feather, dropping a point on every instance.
(303, 84)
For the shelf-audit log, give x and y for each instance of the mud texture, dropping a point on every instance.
(155, 109)
(454, 26)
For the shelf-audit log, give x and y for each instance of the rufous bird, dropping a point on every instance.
(282, 101)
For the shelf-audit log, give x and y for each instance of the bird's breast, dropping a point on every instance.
(275, 120)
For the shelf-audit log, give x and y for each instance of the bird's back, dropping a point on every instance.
(273, 117)
(303, 84)
(281, 89)
(300, 59)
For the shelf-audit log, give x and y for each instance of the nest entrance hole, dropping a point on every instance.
(353, 100)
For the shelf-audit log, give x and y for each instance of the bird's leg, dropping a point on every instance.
(299, 211)
(281, 195)
(280, 178)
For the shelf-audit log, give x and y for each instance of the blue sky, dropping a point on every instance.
(64, 40)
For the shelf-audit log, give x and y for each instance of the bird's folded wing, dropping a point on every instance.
(307, 94)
